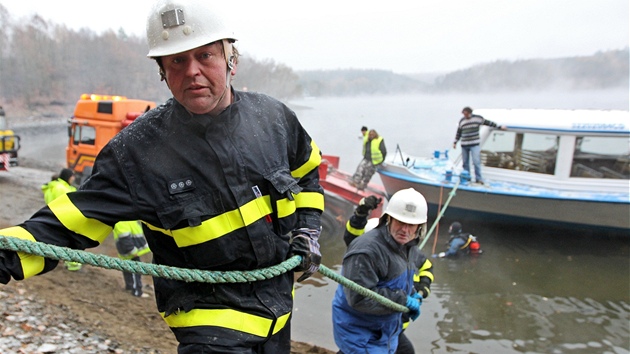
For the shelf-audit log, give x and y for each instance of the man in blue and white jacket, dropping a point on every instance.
(384, 261)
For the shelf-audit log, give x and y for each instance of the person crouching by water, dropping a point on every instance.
(460, 242)
(384, 261)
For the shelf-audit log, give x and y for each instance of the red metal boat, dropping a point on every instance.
(340, 196)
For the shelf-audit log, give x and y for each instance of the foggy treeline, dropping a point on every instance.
(602, 70)
(43, 63)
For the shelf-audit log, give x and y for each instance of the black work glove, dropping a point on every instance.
(305, 243)
(367, 204)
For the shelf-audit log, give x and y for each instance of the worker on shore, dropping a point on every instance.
(60, 184)
(221, 180)
(459, 242)
(131, 244)
(385, 260)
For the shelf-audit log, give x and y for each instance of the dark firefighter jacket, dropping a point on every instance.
(377, 262)
(213, 193)
(422, 279)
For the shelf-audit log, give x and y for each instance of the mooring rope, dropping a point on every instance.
(196, 275)
(183, 274)
(451, 194)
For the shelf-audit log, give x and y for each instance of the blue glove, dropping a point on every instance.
(413, 304)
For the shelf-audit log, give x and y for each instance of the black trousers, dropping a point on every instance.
(404, 345)
(280, 343)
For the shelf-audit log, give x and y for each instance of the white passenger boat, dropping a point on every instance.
(569, 167)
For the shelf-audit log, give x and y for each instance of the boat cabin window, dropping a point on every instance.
(530, 152)
(601, 157)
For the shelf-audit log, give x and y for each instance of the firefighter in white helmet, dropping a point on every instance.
(220, 179)
(385, 260)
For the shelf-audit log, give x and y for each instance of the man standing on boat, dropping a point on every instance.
(468, 132)
(374, 153)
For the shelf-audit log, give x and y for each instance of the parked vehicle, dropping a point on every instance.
(97, 119)
(9, 144)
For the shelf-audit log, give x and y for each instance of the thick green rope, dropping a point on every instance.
(361, 290)
(187, 275)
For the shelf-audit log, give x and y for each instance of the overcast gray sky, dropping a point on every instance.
(405, 36)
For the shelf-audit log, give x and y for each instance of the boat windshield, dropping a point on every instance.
(532, 152)
(601, 157)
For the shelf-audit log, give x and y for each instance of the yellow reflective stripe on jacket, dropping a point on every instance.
(73, 219)
(467, 243)
(220, 225)
(352, 230)
(31, 264)
(227, 318)
(424, 271)
(233, 220)
(312, 200)
(313, 162)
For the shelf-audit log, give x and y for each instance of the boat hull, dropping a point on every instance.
(474, 199)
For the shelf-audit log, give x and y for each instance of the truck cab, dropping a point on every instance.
(96, 120)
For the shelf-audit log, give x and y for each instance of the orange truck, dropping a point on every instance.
(96, 120)
(9, 144)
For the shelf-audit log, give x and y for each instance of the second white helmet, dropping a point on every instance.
(175, 26)
(407, 206)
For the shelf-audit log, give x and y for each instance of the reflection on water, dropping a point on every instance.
(534, 290)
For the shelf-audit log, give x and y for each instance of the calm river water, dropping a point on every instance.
(534, 289)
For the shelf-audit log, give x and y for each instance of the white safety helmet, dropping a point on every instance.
(407, 206)
(175, 26)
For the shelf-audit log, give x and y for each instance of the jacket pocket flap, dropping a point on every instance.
(283, 182)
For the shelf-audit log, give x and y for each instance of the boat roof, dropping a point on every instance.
(577, 121)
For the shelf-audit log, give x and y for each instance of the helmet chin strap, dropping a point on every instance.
(229, 60)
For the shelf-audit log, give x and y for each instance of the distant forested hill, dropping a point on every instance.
(44, 64)
(602, 70)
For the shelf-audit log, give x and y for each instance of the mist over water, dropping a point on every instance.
(423, 123)
(535, 289)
